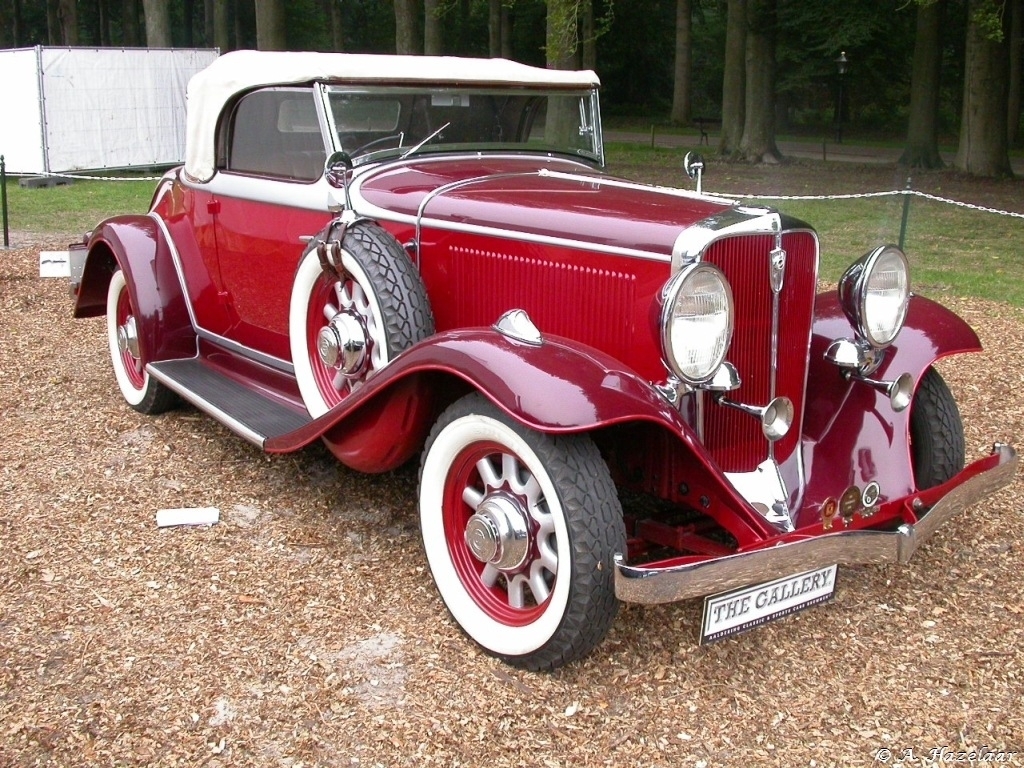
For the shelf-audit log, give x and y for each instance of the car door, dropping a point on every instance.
(269, 196)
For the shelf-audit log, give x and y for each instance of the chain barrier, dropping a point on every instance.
(848, 196)
(892, 193)
(83, 177)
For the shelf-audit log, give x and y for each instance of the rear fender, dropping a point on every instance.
(556, 387)
(138, 246)
(851, 432)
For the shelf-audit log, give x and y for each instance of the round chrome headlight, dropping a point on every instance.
(875, 294)
(696, 322)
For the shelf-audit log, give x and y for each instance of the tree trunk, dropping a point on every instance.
(758, 142)
(681, 88)
(561, 44)
(337, 32)
(67, 14)
(494, 28)
(983, 150)
(52, 25)
(271, 31)
(506, 32)
(222, 25)
(17, 32)
(561, 38)
(586, 17)
(1013, 111)
(433, 31)
(406, 29)
(103, 24)
(922, 150)
(189, 9)
(8, 37)
(208, 23)
(158, 23)
(243, 23)
(734, 79)
(130, 32)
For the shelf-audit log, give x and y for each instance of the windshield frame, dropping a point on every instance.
(581, 120)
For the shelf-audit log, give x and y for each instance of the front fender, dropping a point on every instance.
(136, 245)
(556, 387)
(930, 333)
(851, 433)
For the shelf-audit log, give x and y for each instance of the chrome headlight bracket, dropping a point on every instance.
(696, 322)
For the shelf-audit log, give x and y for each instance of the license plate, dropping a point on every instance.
(730, 613)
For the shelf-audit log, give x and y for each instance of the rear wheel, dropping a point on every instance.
(520, 530)
(142, 392)
(936, 432)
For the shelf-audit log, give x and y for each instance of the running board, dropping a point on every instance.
(253, 416)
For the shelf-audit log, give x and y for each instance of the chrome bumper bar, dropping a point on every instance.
(637, 584)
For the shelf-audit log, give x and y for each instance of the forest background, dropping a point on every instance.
(925, 72)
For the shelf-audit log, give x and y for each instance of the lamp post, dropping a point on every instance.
(841, 64)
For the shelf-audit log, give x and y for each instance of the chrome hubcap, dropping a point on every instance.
(128, 338)
(342, 343)
(498, 533)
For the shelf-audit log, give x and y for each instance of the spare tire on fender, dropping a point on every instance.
(350, 317)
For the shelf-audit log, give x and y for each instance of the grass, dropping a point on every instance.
(76, 207)
(952, 250)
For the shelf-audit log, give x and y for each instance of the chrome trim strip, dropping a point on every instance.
(741, 220)
(310, 196)
(248, 353)
(367, 209)
(451, 186)
(610, 181)
(776, 281)
(510, 234)
(176, 258)
(637, 584)
(317, 197)
(206, 407)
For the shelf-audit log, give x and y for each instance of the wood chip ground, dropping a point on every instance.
(304, 630)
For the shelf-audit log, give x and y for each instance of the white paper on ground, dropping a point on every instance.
(54, 264)
(166, 518)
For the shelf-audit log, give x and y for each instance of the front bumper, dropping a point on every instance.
(638, 584)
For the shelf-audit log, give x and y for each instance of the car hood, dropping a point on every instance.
(543, 197)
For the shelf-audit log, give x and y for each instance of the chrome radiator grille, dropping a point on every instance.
(734, 438)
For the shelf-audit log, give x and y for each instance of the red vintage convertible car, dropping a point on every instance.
(617, 392)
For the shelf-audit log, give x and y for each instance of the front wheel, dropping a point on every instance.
(936, 432)
(520, 529)
(142, 392)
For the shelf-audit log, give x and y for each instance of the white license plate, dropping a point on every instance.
(733, 612)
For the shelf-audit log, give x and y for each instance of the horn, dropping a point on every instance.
(899, 391)
(776, 418)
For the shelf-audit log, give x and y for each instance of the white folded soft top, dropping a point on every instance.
(239, 71)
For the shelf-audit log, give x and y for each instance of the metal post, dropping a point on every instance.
(842, 63)
(3, 201)
(906, 215)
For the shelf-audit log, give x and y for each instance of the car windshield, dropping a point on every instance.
(373, 123)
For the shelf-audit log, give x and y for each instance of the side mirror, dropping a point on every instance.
(336, 171)
(693, 166)
(337, 167)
